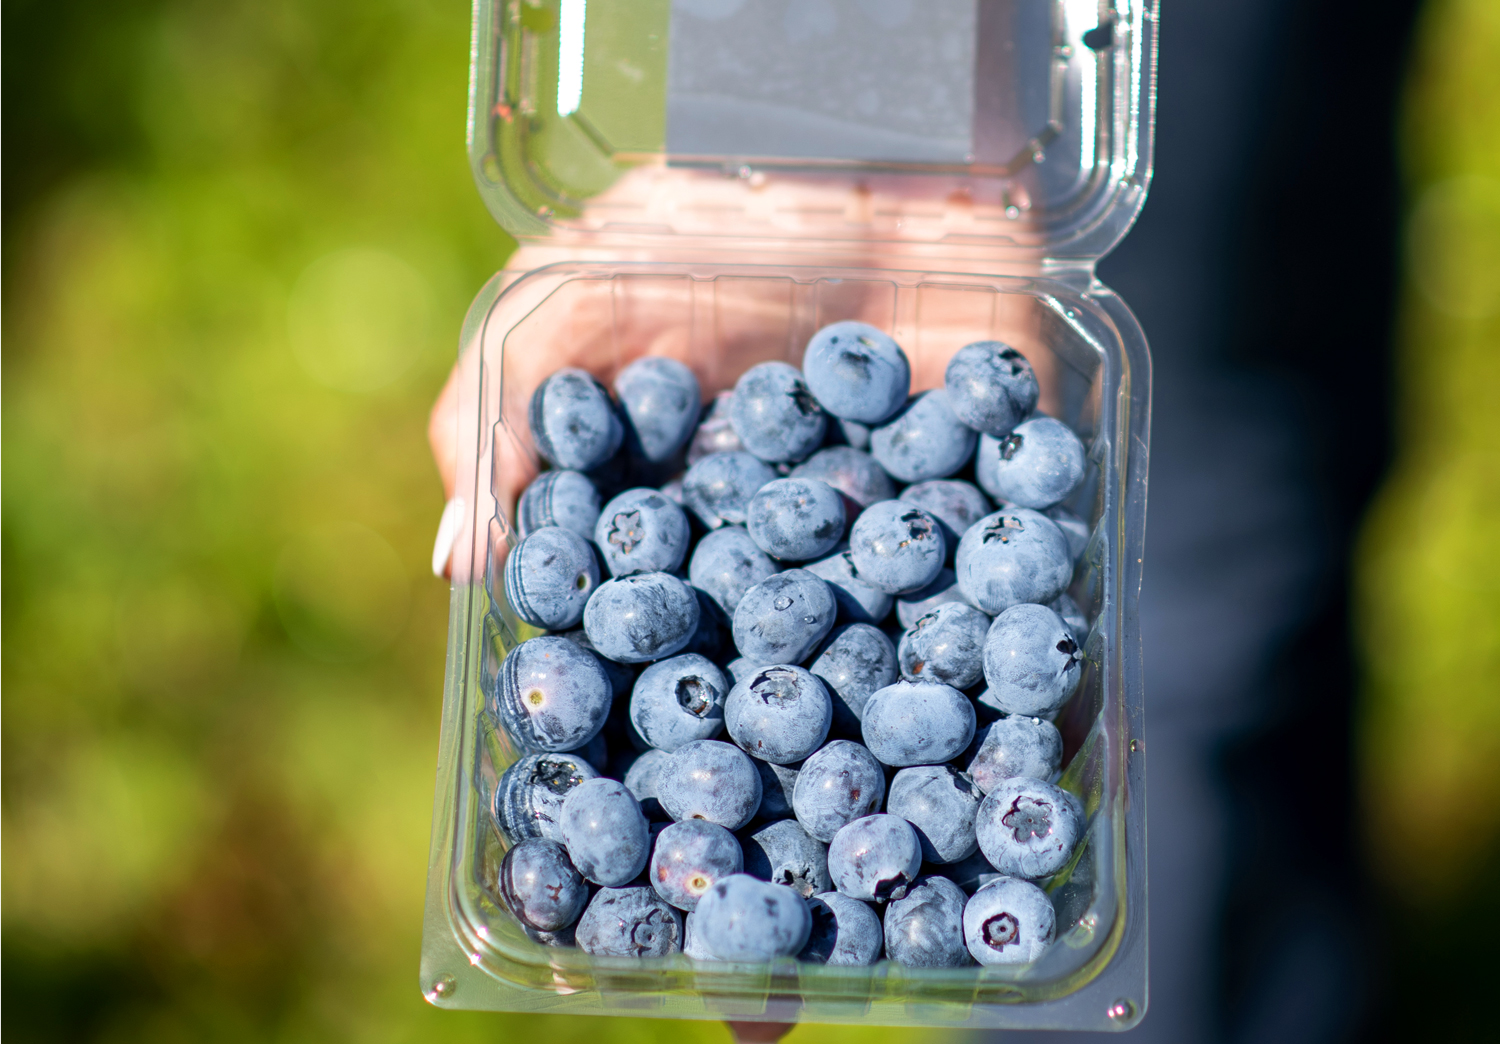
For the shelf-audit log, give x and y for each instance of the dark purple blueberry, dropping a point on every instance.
(540, 885)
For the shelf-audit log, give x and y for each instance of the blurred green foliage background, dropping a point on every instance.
(238, 242)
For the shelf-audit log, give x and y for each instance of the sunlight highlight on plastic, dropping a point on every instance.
(570, 57)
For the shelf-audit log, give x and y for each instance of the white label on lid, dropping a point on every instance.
(875, 80)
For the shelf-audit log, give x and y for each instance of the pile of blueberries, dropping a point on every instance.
(821, 668)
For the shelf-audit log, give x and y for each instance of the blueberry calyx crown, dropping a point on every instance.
(625, 531)
(1028, 817)
(1001, 931)
(996, 530)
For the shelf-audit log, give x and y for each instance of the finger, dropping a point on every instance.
(759, 1032)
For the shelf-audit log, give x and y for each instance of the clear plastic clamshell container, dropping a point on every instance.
(714, 180)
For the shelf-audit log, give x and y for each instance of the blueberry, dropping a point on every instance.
(742, 919)
(1078, 624)
(641, 779)
(605, 831)
(549, 577)
(711, 780)
(1031, 662)
(539, 884)
(991, 386)
(853, 473)
(784, 854)
(857, 371)
(776, 785)
(718, 488)
(783, 618)
(945, 646)
(678, 700)
(635, 619)
(641, 531)
(854, 661)
(629, 922)
(956, 504)
(739, 669)
(943, 590)
(924, 441)
(528, 798)
(661, 400)
(917, 724)
(775, 415)
(621, 676)
(837, 785)
(559, 498)
(925, 929)
(940, 803)
(896, 547)
(573, 422)
(689, 858)
(1013, 556)
(875, 858)
(551, 695)
(857, 601)
(692, 946)
(1074, 528)
(715, 433)
(1035, 466)
(854, 433)
(779, 714)
(1017, 746)
(1008, 921)
(1028, 828)
(796, 519)
(845, 932)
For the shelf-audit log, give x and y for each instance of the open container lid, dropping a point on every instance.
(949, 134)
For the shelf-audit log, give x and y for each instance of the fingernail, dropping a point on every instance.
(447, 535)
